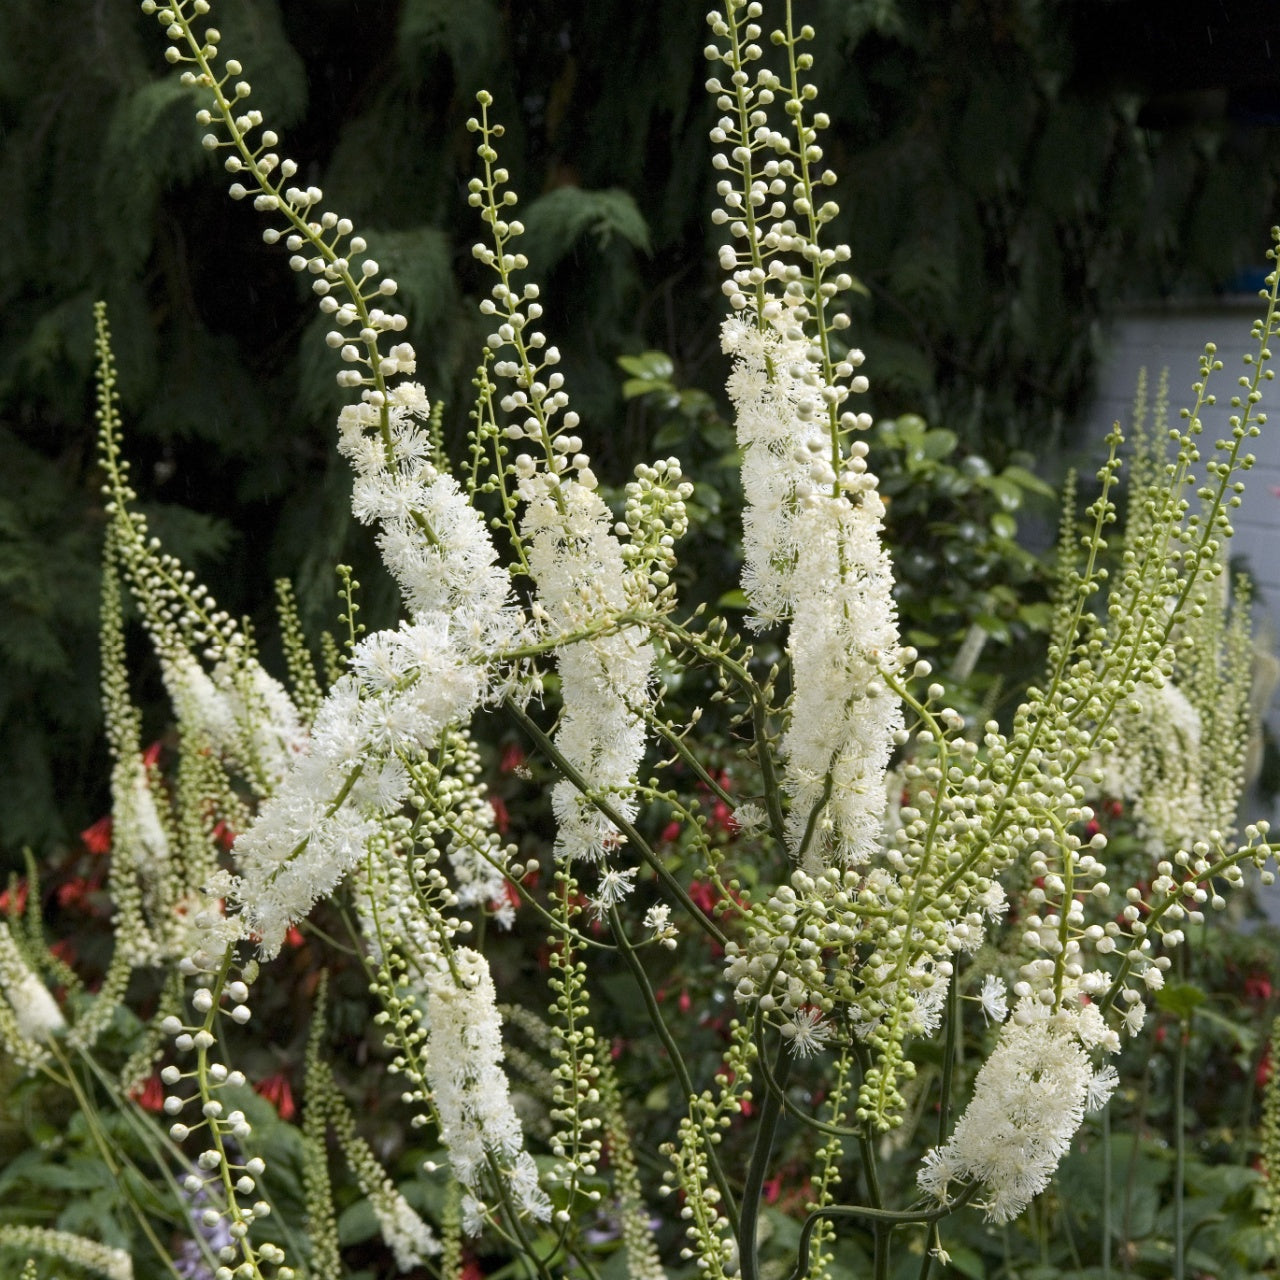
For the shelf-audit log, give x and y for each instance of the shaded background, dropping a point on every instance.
(1013, 173)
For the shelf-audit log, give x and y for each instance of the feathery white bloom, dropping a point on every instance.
(451, 567)
(994, 1000)
(582, 579)
(613, 887)
(464, 1056)
(750, 818)
(807, 1032)
(34, 1010)
(777, 418)
(1159, 768)
(1102, 1084)
(241, 710)
(403, 1229)
(842, 715)
(1028, 1101)
(405, 687)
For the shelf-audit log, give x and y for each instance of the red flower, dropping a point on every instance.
(73, 893)
(471, 1270)
(670, 833)
(151, 756)
(513, 758)
(149, 1096)
(64, 950)
(501, 818)
(15, 903)
(1263, 1072)
(293, 938)
(684, 1002)
(276, 1090)
(1257, 986)
(97, 838)
(703, 895)
(223, 835)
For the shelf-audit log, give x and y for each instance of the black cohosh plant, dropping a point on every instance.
(893, 847)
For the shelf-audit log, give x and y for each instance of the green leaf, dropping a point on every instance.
(1029, 480)
(654, 366)
(1180, 998)
(1006, 492)
(357, 1223)
(735, 599)
(967, 1262)
(1004, 525)
(939, 442)
(557, 222)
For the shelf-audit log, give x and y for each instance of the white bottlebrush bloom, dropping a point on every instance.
(100, 1259)
(776, 392)
(1028, 1101)
(432, 539)
(577, 563)
(1159, 767)
(138, 836)
(35, 1011)
(403, 1229)
(239, 710)
(843, 717)
(405, 687)
(464, 1070)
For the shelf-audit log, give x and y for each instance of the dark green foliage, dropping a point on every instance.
(1000, 194)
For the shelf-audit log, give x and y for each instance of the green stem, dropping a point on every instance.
(888, 1218)
(1106, 1192)
(1180, 1150)
(672, 885)
(628, 953)
(770, 1113)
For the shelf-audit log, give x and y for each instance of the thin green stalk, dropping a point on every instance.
(1180, 1150)
(889, 1218)
(770, 1113)
(628, 953)
(529, 1255)
(1106, 1192)
(638, 842)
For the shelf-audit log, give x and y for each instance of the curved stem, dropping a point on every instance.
(672, 885)
(812, 1122)
(888, 1218)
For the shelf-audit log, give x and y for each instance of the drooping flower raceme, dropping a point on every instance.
(464, 1069)
(29, 1015)
(1028, 1101)
(405, 688)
